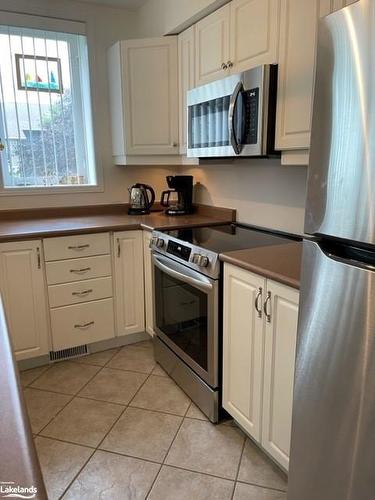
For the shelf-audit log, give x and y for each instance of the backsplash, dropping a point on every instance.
(263, 192)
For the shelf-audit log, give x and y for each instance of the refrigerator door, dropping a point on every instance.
(341, 183)
(333, 429)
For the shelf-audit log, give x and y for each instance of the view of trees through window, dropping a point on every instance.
(45, 115)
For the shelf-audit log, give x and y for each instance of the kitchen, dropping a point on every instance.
(164, 335)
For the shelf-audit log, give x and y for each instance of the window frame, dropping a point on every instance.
(15, 20)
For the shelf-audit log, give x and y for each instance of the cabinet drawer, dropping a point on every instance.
(80, 245)
(65, 271)
(82, 323)
(80, 291)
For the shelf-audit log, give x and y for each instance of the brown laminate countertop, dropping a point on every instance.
(45, 224)
(279, 262)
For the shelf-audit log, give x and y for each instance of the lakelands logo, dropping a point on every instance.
(12, 490)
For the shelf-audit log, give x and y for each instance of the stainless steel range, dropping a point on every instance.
(187, 305)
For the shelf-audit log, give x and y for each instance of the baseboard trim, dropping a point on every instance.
(27, 364)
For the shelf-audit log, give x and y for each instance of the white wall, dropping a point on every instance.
(263, 192)
(104, 26)
(161, 17)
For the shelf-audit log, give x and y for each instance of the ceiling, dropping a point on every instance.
(127, 4)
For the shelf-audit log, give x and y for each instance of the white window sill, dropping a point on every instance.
(26, 191)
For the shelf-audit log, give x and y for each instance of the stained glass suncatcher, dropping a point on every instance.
(37, 73)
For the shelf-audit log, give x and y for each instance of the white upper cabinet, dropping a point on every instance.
(297, 54)
(243, 348)
(25, 300)
(143, 98)
(297, 48)
(129, 282)
(254, 28)
(212, 46)
(239, 36)
(186, 78)
(279, 363)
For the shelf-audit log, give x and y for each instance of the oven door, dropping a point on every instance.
(186, 315)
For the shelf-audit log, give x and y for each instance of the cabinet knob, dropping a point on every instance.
(230, 64)
(174, 144)
(224, 66)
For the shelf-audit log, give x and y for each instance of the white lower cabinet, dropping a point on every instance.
(243, 349)
(149, 283)
(279, 360)
(129, 282)
(259, 343)
(25, 298)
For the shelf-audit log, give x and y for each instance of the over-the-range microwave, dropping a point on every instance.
(234, 116)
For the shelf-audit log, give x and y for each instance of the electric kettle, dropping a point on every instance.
(140, 200)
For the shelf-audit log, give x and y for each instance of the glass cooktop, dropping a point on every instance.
(227, 237)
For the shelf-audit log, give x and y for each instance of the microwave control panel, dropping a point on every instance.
(251, 102)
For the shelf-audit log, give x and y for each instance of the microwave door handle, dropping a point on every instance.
(231, 125)
(201, 284)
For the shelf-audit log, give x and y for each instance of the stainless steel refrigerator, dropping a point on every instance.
(333, 430)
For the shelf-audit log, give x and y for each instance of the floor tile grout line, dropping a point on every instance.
(262, 486)
(75, 477)
(48, 367)
(239, 466)
(72, 398)
(97, 448)
(94, 450)
(66, 441)
(61, 409)
(168, 450)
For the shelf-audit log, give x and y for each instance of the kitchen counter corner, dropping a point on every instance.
(279, 262)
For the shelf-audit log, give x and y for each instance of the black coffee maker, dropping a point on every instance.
(179, 198)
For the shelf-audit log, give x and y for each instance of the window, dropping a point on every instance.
(45, 110)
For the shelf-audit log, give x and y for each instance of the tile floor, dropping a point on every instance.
(113, 425)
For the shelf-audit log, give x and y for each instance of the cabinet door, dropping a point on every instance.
(129, 282)
(149, 283)
(243, 348)
(254, 31)
(339, 4)
(279, 361)
(24, 293)
(297, 50)
(186, 78)
(212, 46)
(149, 72)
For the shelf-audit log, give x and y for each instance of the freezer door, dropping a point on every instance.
(341, 183)
(333, 429)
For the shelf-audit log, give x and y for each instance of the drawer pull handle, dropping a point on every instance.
(81, 294)
(78, 247)
(82, 270)
(86, 325)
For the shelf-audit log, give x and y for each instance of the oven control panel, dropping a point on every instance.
(193, 256)
(178, 250)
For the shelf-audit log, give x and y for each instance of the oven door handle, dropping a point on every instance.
(182, 273)
(237, 147)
